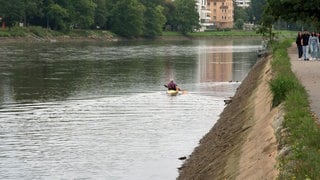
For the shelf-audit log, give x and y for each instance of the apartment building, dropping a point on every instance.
(221, 13)
(204, 15)
(243, 3)
(215, 14)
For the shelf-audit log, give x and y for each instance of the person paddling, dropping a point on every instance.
(172, 86)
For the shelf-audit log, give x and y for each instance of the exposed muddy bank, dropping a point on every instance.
(242, 144)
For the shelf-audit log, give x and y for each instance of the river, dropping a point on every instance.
(99, 110)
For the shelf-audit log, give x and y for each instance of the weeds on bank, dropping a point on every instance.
(43, 32)
(300, 134)
(284, 79)
(24, 31)
(226, 33)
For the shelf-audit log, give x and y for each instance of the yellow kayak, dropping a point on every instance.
(172, 92)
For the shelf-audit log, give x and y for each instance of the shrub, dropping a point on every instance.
(17, 32)
(280, 86)
(38, 31)
(4, 33)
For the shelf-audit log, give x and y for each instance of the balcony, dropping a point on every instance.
(207, 24)
(206, 11)
(224, 7)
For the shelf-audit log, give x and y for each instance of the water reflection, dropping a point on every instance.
(58, 71)
(225, 63)
(99, 110)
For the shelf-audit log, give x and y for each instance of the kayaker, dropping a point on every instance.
(172, 85)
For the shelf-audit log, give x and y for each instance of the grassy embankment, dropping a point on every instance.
(282, 33)
(215, 33)
(42, 32)
(300, 136)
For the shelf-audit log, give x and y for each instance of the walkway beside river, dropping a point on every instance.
(308, 73)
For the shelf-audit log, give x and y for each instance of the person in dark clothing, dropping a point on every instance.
(318, 55)
(305, 45)
(299, 45)
(172, 86)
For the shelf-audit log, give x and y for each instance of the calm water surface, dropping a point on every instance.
(100, 111)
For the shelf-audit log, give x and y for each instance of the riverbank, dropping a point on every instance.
(38, 34)
(52, 39)
(242, 144)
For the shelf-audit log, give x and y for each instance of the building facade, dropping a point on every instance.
(204, 15)
(215, 14)
(221, 13)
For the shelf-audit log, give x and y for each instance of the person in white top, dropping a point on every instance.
(313, 44)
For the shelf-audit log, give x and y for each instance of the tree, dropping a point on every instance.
(240, 16)
(296, 10)
(255, 10)
(186, 16)
(241, 13)
(267, 21)
(239, 24)
(169, 9)
(154, 18)
(154, 21)
(12, 11)
(82, 13)
(58, 15)
(101, 14)
(127, 18)
(32, 9)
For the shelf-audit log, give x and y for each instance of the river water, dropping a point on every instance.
(100, 111)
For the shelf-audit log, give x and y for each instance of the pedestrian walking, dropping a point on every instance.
(313, 44)
(299, 45)
(318, 54)
(305, 45)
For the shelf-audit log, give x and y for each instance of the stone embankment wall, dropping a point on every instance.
(242, 144)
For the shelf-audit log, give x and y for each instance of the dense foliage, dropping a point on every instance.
(262, 12)
(304, 13)
(251, 14)
(184, 18)
(128, 18)
(295, 10)
(256, 9)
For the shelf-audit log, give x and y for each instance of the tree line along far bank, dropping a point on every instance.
(128, 18)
